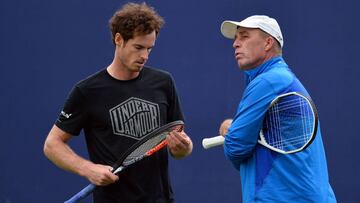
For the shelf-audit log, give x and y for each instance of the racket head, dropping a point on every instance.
(148, 145)
(290, 124)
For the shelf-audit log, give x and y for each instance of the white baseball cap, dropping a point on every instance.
(265, 23)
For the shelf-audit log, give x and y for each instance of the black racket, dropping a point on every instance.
(145, 147)
(289, 126)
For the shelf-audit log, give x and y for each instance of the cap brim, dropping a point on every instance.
(229, 28)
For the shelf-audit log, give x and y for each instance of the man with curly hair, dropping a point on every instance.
(116, 107)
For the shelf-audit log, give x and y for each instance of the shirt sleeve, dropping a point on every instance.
(174, 112)
(71, 118)
(243, 133)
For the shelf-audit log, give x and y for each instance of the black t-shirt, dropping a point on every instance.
(114, 114)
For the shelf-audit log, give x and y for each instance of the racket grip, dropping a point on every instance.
(213, 141)
(82, 194)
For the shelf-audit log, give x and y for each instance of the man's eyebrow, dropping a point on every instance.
(142, 46)
(242, 32)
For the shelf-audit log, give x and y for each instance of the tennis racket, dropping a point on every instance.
(289, 125)
(145, 147)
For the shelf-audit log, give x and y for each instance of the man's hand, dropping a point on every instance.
(98, 174)
(225, 125)
(179, 144)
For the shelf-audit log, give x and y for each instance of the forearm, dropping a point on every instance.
(64, 157)
(59, 152)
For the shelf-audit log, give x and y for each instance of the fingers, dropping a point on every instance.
(109, 177)
(101, 175)
(178, 140)
(179, 143)
(224, 127)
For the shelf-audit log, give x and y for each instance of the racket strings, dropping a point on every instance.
(283, 106)
(289, 123)
(307, 121)
(291, 141)
(144, 148)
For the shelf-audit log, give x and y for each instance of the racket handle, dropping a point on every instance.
(213, 141)
(82, 194)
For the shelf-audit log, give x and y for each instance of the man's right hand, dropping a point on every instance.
(98, 174)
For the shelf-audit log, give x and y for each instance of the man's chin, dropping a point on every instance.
(243, 66)
(138, 68)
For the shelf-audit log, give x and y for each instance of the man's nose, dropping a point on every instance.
(145, 54)
(236, 44)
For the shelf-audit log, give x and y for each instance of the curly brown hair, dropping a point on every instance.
(135, 19)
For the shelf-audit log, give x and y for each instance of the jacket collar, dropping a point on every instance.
(251, 74)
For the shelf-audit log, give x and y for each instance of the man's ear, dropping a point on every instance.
(269, 43)
(119, 41)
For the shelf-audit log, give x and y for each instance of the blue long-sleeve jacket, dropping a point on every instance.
(268, 176)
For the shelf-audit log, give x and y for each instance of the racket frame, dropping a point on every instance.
(219, 140)
(165, 128)
(262, 139)
(118, 166)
